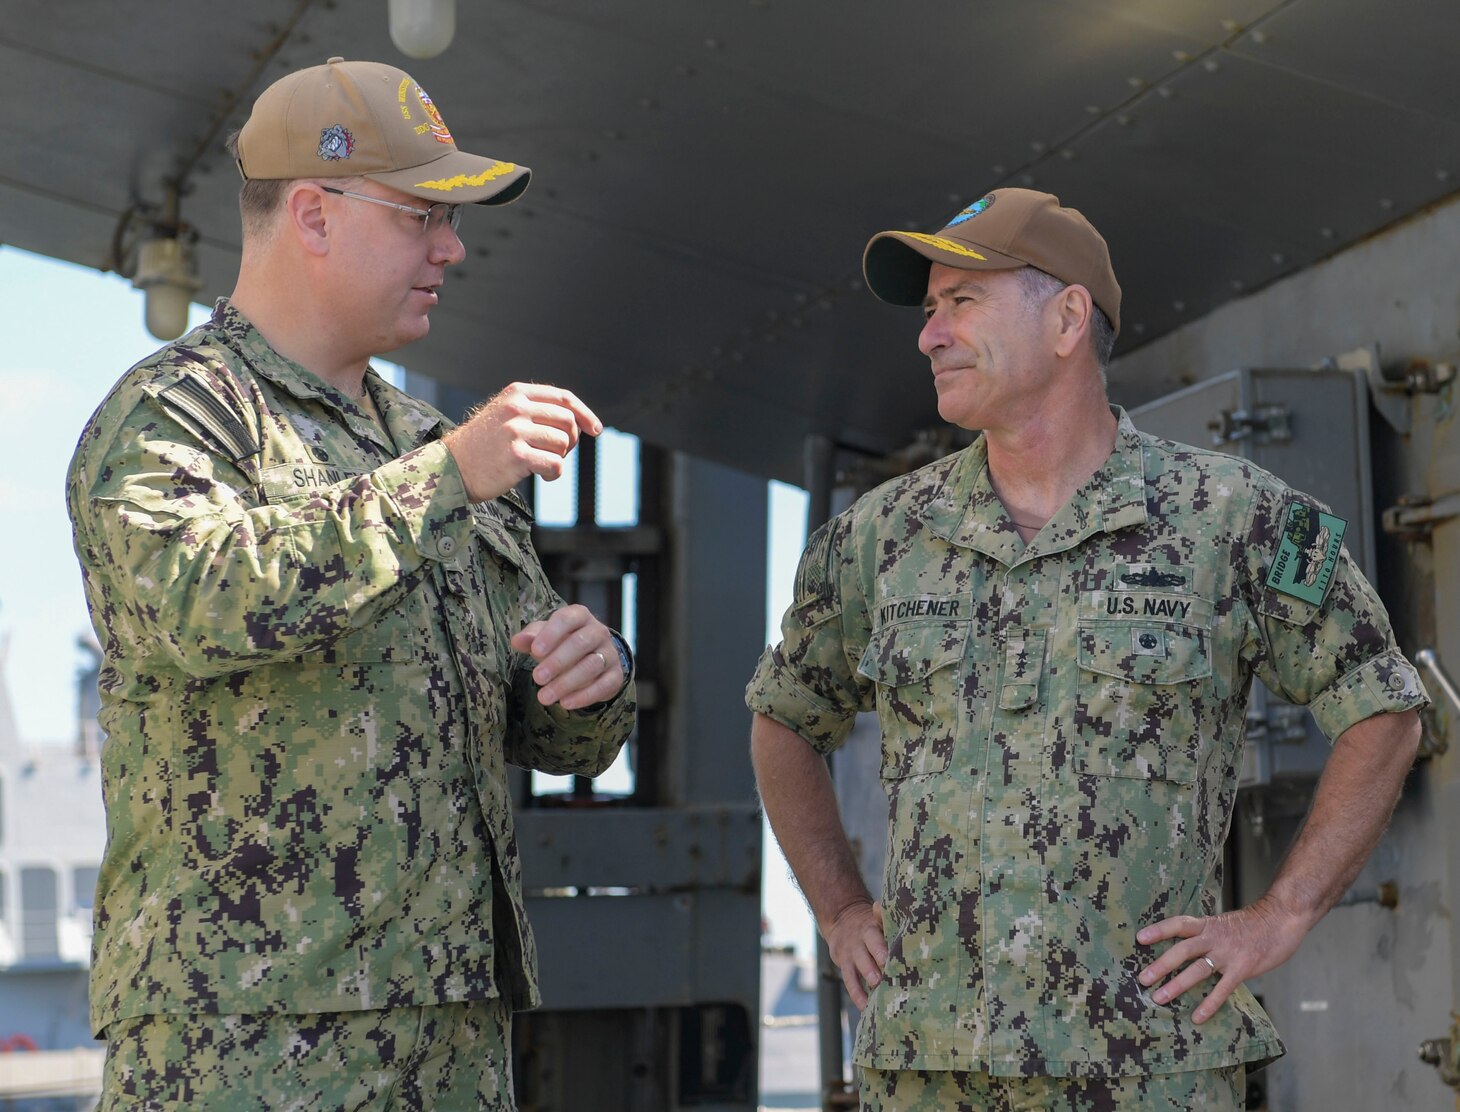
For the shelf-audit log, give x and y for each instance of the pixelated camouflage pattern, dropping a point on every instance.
(1221, 1090)
(1062, 726)
(308, 694)
(441, 1058)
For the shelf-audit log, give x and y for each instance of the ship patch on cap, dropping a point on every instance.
(336, 143)
(972, 210)
(438, 125)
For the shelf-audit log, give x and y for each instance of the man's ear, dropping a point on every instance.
(1075, 311)
(306, 217)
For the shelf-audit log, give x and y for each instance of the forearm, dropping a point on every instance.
(796, 790)
(1351, 807)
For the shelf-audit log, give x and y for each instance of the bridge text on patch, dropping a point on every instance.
(1307, 553)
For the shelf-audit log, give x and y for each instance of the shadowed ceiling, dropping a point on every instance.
(706, 174)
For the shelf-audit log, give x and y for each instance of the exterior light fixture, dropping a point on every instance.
(163, 267)
(422, 28)
(168, 278)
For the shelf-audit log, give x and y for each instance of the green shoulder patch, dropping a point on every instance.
(1307, 553)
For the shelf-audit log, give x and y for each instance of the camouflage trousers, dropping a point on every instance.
(955, 1091)
(446, 1058)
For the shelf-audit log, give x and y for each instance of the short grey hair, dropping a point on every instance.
(1040, 286)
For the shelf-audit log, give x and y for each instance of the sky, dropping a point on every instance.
(68, 333)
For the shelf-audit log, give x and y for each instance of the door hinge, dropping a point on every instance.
(1263, 424)
(1416, 516)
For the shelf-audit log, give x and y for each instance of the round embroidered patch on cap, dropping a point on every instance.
(972, 210)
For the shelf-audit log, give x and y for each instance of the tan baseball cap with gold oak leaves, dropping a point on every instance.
(1002, 230)
(367, 119)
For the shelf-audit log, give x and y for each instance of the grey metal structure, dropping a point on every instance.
(1381, 973)
(647, 907)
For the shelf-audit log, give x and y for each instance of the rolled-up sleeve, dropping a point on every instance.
(1337, 656)
(809, 682)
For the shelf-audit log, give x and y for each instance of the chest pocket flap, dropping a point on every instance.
(1145, 637)
(917, 692)
(907, 652)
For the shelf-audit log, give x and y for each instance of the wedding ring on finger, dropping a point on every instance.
(1210, 964)
(602, 662)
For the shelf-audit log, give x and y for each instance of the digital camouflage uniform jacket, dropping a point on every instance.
(1062, 728)
(308, 695)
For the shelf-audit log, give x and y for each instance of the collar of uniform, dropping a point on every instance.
(967, 512)
(408, 422)
(1112, 498)
(1122, 478)
(239, 333)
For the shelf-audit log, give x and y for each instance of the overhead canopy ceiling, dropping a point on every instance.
(706, 174)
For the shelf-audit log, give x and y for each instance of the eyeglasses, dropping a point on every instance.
(431, 218)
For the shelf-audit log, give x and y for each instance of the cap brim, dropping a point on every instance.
(460, 178)
(896, 264)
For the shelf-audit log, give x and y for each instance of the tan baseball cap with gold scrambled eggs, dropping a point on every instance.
(1003, 230)
(366, 119)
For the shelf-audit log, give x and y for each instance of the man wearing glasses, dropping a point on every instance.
(326, 633)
